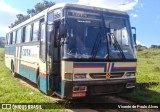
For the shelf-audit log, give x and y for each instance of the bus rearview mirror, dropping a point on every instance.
(134, 34)
(134, 37)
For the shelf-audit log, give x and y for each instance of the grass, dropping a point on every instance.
(12, 91)
(148, 77)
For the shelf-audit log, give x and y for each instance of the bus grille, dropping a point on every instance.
(106, 89)
(103, 75)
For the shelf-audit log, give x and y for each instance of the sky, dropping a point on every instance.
(144, 14)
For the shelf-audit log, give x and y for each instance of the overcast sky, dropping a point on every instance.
(144, 14)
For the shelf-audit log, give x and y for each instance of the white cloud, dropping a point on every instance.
(123, 5)
(134, 15)
(7, 16)
(138, 43)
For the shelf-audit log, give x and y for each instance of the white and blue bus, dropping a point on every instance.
(74, 51)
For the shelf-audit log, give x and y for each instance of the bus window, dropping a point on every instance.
(28, 33)
(19, 36)
(35, 31)
(42, 40)
(10, 38)
(6, 39)
(49, 34)
(50, 17)
(14, 38)
(125, 39)
(23, 34)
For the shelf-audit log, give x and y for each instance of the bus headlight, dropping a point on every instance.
(68, 76)
(130, 74)
(79, 76)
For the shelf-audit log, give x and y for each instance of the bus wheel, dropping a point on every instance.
(13, 72)
(38, 82)
(130, 90)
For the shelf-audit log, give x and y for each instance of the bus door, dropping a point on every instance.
(54, 58)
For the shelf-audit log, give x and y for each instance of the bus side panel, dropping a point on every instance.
(9, 55)
(29, 62)
(28, 72)
(43, 82)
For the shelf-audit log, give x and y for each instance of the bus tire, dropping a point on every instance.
(12, 70)
(130, 90)
(38, 82)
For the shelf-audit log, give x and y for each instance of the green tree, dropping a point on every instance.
(20, 18)
(40, 7)
(31, 12)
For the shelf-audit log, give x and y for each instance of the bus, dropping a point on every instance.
(74, 51)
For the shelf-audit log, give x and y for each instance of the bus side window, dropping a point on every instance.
(10, 35)
(14, 37)
(49, 34)
(42, 42)
(23, 34)
(35, 31)
(28, 32)
(7, 39)
(18, 40)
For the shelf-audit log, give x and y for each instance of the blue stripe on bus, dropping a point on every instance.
(122, 69)
(10, 50)
(31, 74)
(43, 84)
(28, 73)
(94, 65)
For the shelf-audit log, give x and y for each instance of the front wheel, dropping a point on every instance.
(38, 82)
(130, 90)
(13, 71)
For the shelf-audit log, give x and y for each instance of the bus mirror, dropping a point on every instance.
(134, 37)
(134, 34)
(63, 31)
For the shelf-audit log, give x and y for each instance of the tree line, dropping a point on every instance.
(31, 12)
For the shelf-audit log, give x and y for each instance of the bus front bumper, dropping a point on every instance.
(97, 87)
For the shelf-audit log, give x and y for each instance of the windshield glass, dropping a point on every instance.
(85, 39)
(98, 39)
(119, 38)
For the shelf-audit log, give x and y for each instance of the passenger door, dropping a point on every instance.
(53, 55)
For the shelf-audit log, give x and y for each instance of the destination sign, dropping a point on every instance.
(82, 14)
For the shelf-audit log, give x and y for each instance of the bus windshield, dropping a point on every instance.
(88, 39)
(119, 38)
(85, 39)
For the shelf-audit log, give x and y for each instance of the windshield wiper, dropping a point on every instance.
(116, 44)
(96, 46)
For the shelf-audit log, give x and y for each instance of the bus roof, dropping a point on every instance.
(61, 5)
(87, 7)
